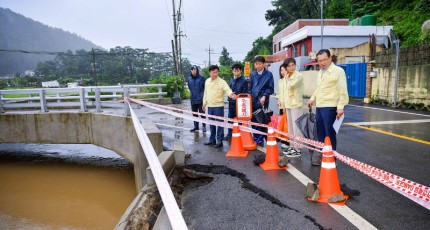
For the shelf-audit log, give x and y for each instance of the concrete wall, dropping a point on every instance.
(413, 84)
(113, 132)
(310, 82)
(338, 42)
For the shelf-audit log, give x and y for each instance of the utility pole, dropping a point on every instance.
(175, 37)
(209, 51)
(322, 23)
(179, 48)
(180, 52)
(94, 67)
(396, 80)
(175, 70)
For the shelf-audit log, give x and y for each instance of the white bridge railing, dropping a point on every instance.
(81, 97)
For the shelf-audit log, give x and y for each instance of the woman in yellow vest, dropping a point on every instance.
(290, 94)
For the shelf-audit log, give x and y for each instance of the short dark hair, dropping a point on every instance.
(237, 66)
(290, 60)
(259, 59)
(213, 67)
(285, 65)
(324, 51)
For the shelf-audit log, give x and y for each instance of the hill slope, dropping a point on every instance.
(22, 33)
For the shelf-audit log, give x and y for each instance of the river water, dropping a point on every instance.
(63, 187)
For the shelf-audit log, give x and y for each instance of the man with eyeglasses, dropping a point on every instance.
(331, 96)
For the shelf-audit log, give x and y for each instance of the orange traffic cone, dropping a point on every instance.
(272, 153)
(329, 181)
(236, 149)
(247, 140)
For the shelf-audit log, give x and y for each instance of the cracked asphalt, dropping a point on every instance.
(243, 196)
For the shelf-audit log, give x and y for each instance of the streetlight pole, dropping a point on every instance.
(396, 81)
(322, 23)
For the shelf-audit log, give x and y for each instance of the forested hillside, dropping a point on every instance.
(407, 17)
(18, 33)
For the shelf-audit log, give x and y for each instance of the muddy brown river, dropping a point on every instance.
(63, 187)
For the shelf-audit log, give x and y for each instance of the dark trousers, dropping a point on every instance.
(197, 108)
(216, 131)
(325, 120)
(258, 138)
(231, 114)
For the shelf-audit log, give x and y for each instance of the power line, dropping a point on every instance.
(168, 15)
(209, 51)
(66, 53)
(225, 31)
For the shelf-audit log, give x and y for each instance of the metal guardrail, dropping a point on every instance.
(79, 97)
(176, 219)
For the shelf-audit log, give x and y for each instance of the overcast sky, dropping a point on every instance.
(234, 24)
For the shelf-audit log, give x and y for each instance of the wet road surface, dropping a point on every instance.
(258, 199)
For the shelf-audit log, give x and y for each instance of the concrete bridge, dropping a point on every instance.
(74, 116)
(79, 120)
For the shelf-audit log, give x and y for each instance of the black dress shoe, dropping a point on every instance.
(227, 138)
(219, 145)
(209, 143)
(204, 129)
(194, 130)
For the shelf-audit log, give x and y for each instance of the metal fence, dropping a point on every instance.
(81, 97)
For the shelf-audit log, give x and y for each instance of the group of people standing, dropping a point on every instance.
(330, 96)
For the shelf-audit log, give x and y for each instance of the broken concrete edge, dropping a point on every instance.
(167, 162)
(179, 152)
(140, 201)
(162, 222)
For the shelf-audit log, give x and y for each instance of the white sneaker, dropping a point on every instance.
(284, 146)
(287, 150)
(293, 153)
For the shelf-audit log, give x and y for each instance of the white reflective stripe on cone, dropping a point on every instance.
(236, 134)
(328, 165)
(271, 142)
(327, 148)
(235, 124)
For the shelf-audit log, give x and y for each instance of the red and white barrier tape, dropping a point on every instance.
(412, 190)
(179, 113)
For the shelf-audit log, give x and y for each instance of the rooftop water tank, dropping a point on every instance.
(368, 20)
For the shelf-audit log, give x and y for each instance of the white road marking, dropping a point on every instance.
(424, 115)
(345, 211)
(390, 122)
(172, 126)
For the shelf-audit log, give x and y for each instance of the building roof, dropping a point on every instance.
(300, 23)
(335, 31)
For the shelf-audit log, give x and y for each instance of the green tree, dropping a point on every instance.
(118, 65)
(261, 46)
(225, 59)
(170, 88)
(338, 9)
(3, 83)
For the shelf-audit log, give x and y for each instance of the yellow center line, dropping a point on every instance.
(391, 134)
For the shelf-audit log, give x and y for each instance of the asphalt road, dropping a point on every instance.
(243, 196)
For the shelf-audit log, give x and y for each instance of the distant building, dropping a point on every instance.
(302, 39)
(29, 73)
(50, 84)
(72, 85)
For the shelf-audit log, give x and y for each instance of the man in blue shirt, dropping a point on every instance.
(196, 85)
(261, 87)
(238, 85)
